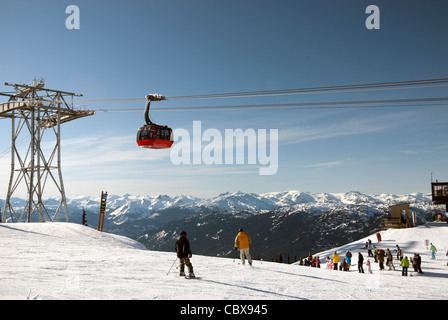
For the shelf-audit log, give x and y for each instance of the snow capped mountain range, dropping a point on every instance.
(238, 201)
(136, 207)
(286, 222)
(128, 207)
(289, 222)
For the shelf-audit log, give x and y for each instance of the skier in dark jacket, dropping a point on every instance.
(417, 262)
(360, 262)
(184, 254)
(380, 258)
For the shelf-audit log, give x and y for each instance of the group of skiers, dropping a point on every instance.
(310, 261)
(242, 242)
(182, 248)
(379, 255)
(345, 264)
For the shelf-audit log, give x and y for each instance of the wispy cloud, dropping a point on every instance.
(106, 150)
(426, 147)
(119, 158)
(324, 165)
(293, 135)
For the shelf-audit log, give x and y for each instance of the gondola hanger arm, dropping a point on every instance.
(149, 98)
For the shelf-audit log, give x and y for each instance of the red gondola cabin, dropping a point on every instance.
(154, 136)
(151, 135)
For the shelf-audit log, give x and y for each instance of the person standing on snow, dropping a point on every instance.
(369, 249)
(399, 253)
(418, 261)
(405, 265)
(375, 253)
(380, 258)
(389, 260)
(242, 241)
(360, 262)
(348, 260)
(369, 268)
(433, 250)
(335, 259)
(328, 261)
(183, 251)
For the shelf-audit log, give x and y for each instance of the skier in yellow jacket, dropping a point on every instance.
(242, 242)
(335, 259)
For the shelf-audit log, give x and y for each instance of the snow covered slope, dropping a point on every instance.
(70, 261)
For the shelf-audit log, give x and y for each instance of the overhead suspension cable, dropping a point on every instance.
(398, 85)
(313, 89)
(389, 103)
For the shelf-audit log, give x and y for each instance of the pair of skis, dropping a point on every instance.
(186, 276)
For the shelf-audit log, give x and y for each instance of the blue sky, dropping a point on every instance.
(127, 49)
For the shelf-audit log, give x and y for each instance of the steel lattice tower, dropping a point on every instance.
(36, 110)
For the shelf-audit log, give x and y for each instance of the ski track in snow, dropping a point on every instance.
(50, 261)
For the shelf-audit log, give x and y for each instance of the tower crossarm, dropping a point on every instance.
(7, 108)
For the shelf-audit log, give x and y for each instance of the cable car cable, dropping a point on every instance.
(312, 89)
(301, 105)
(328, 89)
(280, 107)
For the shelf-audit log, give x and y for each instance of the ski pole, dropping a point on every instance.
(172, 266)
(259, 259)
